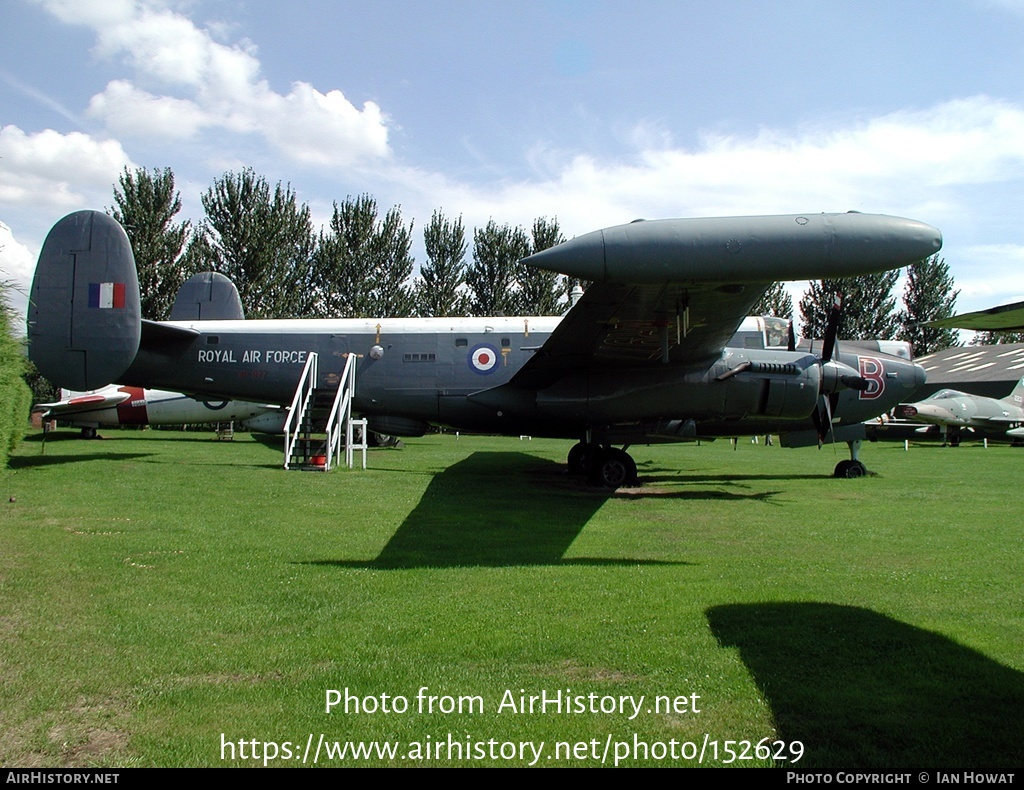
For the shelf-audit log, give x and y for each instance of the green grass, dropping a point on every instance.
(158, 589)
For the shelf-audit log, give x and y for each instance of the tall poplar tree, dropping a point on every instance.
(540, 291)
(262, 239)
(440, 289)
(497, 250)
(868, 306)
(362, 264)
(928, 296)
(393, 265)
(775, 301)
(146, 203)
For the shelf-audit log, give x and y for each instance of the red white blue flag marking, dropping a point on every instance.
(483, 359)
(106, 295)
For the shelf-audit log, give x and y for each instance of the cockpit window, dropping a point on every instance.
(776, 331)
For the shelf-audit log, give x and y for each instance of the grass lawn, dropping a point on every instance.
(166, 597)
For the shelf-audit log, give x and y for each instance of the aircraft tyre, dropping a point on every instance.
(88, 433)
(613, 468)
(582, 457)
(850, 470)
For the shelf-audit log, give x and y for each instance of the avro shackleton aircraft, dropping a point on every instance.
(642, 357)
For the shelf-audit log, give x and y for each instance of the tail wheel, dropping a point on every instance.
(613, 469)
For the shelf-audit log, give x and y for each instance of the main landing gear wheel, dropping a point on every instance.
(582, 456)
(613, 468)
(850, 470)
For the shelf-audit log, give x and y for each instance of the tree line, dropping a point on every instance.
(869, 306)
(361, 264)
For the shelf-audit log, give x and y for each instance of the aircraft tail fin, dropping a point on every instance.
(207, 296)
(1016, 397)
(84, 319)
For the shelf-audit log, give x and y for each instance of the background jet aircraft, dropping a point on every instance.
(113, 406)
(953, 410)
(641, 357)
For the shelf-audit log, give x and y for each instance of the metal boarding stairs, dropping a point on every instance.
(320, 418)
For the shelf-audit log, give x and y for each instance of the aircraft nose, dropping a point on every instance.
(920, 376)
(929, 411)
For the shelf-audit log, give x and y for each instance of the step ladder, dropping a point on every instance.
(320, 421)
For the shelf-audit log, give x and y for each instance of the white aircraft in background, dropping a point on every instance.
(114, 406)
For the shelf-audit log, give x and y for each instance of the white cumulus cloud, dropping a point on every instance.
(916, 163)
(17, 263)
(56, 172)
(206, 86)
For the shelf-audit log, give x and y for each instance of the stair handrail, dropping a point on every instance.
(341, 411)
(303, 394)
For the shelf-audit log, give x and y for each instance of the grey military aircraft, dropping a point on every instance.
(642, 357)
(954, 411)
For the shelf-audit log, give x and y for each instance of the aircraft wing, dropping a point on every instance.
(675, 291)
(78, 403)
(1007, 318)
(616, 325)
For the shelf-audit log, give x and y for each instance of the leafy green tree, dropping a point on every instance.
(362, 265)
(440, 290)
(146, 203)
(540, 291)
(775, 301)
(343, 262)
(260, 238)
(868, 306)
(497, 250)
(928, 296)
(393, 265)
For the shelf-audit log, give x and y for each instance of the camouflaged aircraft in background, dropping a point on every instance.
(954, 412)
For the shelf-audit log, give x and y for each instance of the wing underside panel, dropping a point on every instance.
(628, 326)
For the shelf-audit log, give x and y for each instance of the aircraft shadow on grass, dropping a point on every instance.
(861, 689)
(495, 510)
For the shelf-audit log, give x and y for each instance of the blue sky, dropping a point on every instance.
(594, 112)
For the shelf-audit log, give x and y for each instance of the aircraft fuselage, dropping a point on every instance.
(450, 371)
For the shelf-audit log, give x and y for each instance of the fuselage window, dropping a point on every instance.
(461, 342)
(212, 340)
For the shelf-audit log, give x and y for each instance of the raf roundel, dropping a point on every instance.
(483, 359)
